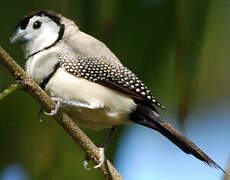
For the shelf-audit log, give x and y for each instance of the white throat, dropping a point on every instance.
(42, 38)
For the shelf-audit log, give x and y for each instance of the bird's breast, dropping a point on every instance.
(116, 106)
(41, 65)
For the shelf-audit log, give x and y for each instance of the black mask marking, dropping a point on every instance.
(24, 22)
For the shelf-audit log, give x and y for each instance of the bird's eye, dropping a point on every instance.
(37, 25)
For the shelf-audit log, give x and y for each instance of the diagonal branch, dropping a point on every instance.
(107, 169)
(10, 90)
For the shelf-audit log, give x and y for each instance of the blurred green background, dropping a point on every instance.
(180, 49)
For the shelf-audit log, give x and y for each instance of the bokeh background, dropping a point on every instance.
(179, 48)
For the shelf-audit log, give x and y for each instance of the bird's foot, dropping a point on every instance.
(39, 115)
(56, 109)
(101, 159)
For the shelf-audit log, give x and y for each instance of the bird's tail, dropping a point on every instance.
(149, 117)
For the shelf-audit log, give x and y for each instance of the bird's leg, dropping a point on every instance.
(101, 150)
(53, 112)
(39, 115)
(61, 102)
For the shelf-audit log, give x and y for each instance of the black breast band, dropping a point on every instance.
(46, 80)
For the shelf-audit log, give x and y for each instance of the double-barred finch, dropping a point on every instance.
(83, 75)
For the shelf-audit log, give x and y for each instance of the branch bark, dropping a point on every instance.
(227, 175)
(10, 90)
(107, 169)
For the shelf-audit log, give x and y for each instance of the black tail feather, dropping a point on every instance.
(149, 117)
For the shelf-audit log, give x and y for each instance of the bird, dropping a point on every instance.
(89, 83)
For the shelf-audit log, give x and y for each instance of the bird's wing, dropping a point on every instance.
(113, 75)
(83, 43)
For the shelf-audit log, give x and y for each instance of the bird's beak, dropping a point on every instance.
(19, 36)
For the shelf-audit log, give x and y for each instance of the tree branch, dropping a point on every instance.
(11, 89)
(107, 169)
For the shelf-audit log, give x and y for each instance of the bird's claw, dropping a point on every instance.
(51, 113)
(39, 116)
(101, 159)
(55, 110)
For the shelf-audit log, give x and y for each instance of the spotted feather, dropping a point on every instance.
(113, 75)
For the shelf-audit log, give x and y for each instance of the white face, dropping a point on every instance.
(39, 33)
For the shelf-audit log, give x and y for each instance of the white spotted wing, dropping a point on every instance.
(113, 75)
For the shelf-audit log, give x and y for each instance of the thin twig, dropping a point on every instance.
(107, 169)
(10, 90)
